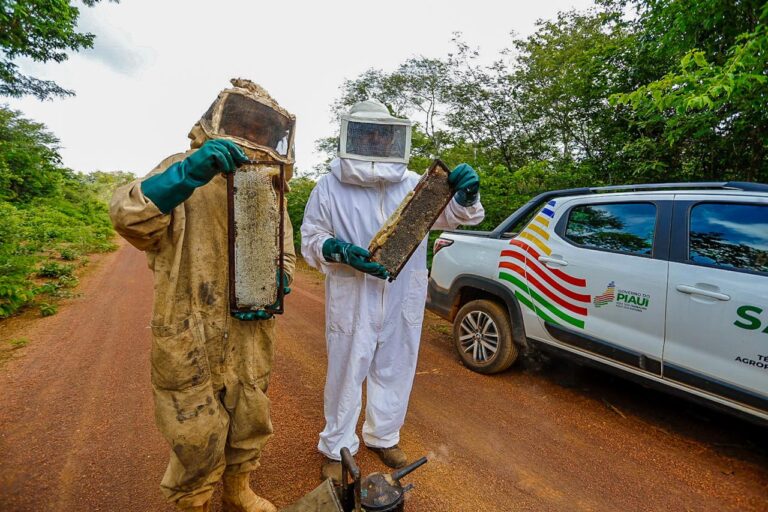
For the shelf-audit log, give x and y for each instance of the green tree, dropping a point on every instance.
(104, 183)
(485, 109)
(29, 158)
(42, 30)
(565, 72)
(706, 105)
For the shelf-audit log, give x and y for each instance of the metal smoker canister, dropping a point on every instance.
(382, 492)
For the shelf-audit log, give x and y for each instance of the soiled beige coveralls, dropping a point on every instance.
(210, 371)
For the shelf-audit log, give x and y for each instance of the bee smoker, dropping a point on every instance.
(378, 492)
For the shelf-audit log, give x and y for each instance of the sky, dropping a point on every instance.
(156, 66)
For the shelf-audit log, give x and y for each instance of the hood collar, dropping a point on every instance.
(364, 173)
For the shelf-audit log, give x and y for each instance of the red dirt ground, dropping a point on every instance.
(77, 431)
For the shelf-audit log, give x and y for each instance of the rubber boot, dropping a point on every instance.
(393, 456)
(239, 497)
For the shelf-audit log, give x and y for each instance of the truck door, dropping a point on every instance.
(597, 278)
(717, 311)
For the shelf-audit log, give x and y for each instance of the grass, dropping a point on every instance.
(442, 328)
(18, 343)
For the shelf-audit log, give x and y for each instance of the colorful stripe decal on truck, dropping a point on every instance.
(552, 294)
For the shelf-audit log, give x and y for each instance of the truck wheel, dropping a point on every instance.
(482, 335)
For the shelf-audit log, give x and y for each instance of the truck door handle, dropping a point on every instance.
(692, 290)
(554, 261)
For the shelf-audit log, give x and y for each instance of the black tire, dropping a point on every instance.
(490, 349)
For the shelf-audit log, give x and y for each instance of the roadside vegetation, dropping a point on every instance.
(51, 217)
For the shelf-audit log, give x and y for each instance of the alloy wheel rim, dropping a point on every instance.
(479, 336)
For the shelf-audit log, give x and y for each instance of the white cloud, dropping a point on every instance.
(113, 46)
(754, 232)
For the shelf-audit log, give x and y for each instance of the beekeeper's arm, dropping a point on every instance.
(321, 248)
(140, 210)
(465, 208)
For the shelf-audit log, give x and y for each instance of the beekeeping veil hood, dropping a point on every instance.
(369, 133)
(248, 116)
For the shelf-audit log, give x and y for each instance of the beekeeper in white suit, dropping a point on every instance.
(373, 326)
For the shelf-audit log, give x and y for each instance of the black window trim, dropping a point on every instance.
(681, 233)
(661, 231)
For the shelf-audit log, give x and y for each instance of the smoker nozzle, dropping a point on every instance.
(400, 473)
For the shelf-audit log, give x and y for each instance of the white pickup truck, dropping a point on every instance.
(666, 284)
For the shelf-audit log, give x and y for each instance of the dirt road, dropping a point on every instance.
(77, 433)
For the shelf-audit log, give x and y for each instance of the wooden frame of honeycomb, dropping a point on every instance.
(405, 229)
(256, 226)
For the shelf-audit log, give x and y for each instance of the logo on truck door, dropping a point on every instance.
(624, 299)
(749, 318)
(555, 296)
(608, 296)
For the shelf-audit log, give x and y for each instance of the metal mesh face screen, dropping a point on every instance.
(256, 228)
(405, 229)
(250, 120)
(376, 140)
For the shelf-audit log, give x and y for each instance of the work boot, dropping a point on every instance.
(331, 469)
(393, 456)
(239, 497)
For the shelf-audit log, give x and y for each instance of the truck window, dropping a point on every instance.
(617, 227)
(732, 236)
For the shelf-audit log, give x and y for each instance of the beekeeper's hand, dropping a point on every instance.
(337, 251)
(465, 183)
(247, 316)
(174, 185)
(213, 157)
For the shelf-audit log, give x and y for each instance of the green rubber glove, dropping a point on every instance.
(466, 184)
(174, 185)
(261, 314)
(335, 250)
(247, 316)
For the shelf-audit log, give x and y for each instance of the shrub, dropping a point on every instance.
(68, 281)
(53, 269)
(47, 309)
(68, 254)
(47, 289)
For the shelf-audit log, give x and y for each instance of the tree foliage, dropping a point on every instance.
(709, 106)
(44, 31)
(29, 161)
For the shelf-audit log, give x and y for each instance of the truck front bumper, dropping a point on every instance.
(439, 300)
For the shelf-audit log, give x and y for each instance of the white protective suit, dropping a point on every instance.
(372, 326)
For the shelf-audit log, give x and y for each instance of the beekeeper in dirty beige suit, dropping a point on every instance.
(210, 370)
